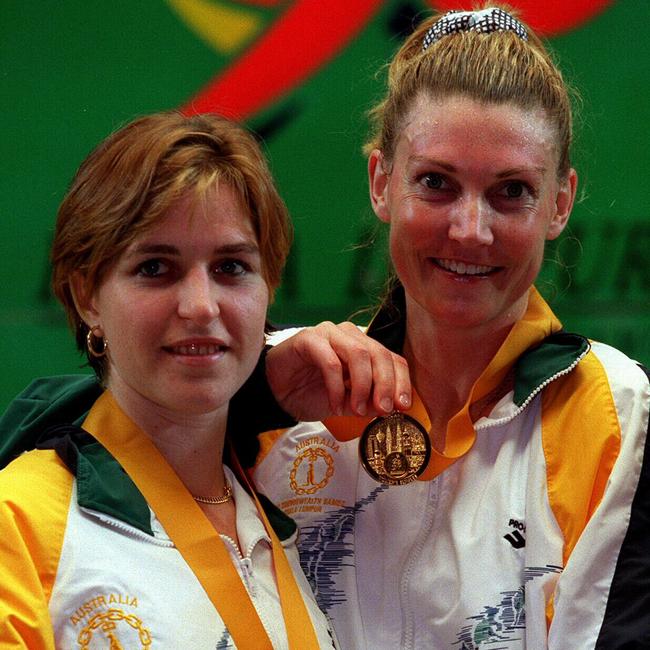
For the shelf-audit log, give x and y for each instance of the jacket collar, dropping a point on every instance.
(46, 402)
(104, 486)
(537, 346)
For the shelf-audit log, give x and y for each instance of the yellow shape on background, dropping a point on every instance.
(223, 28)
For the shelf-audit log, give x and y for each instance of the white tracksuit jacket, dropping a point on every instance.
(530, 532)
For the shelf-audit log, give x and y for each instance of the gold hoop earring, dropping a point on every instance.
(90, 343)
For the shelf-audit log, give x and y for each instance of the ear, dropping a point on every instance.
(378, 184)
(566, 195)
(84, 301)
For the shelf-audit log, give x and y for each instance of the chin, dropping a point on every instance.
(196, 402)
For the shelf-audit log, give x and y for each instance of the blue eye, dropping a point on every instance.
(434, 181)
(231, 267)
(514, 190)
(152, 268)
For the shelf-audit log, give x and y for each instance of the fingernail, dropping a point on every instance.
(405, 400)
(361, 408)
(386, 404)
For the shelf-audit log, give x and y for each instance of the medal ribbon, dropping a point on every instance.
(195, 538)
(537, 323)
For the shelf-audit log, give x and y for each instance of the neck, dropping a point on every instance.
(446, 360)
(191, 443)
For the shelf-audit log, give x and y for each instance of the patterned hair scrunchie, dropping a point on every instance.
(484, 21)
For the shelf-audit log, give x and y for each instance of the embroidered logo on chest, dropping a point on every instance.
(314, 465)
(110, 621)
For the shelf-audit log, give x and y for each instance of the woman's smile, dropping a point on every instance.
(198, 356)
(197, 348)
(465, 269)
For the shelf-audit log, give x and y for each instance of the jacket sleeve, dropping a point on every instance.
(602, 598)
(32, 531)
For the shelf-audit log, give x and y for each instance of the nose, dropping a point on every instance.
(198, 298)
(471, 222)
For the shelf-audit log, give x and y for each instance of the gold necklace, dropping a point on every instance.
(224, 498)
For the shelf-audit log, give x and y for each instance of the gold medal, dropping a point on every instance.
(394, 449)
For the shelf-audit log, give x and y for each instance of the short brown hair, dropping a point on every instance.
(134, 176)
(497, 67)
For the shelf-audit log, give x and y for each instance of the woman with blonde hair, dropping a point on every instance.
(508, 507)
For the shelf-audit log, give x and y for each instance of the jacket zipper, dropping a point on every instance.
(407, 614)
(244, 563)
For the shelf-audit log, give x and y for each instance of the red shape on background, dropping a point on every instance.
(546, 17)
(308, 34)
(311, 32)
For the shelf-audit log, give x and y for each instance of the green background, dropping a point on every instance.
(72, 71)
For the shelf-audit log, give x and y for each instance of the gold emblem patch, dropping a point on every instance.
(312, 471)
(118, 629)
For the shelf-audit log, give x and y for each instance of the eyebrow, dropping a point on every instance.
(513, 171)
(166, 249)
(432, 161)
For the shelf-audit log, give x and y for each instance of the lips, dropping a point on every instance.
(464, 268)
(195, 349)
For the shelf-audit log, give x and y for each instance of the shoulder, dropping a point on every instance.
(37, 483)
(627, 386)
(623, 373)
(46, 402)
(35, 493)
(595, 416)
(607, 381)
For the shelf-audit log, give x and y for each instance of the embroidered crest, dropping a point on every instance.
(119, 629)
(311, 471)
(105, 621)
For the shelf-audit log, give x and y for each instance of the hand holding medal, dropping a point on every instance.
(351, 374)
(337, 370)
